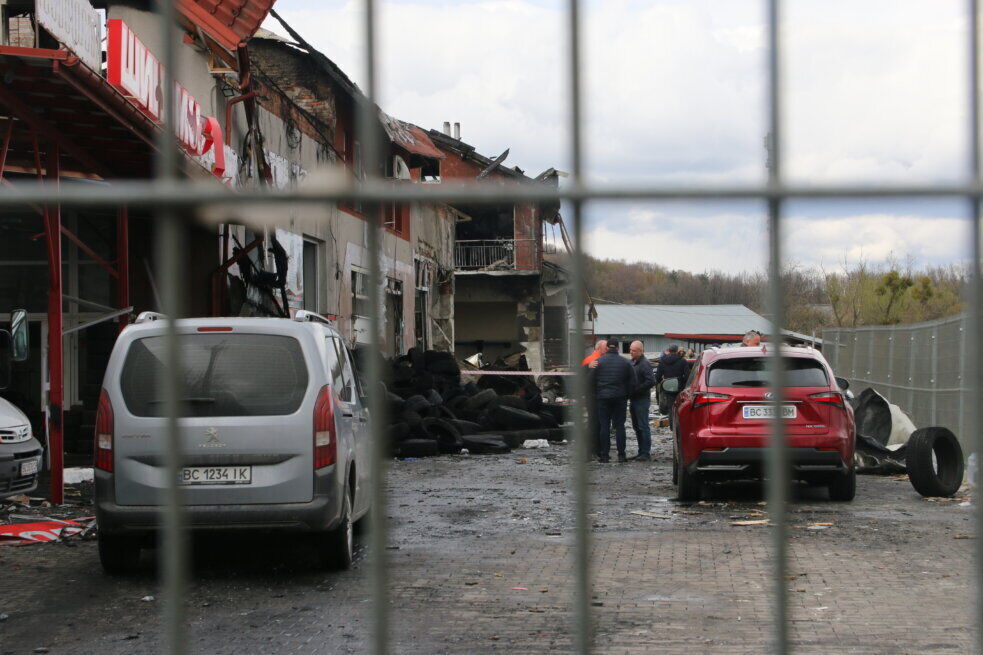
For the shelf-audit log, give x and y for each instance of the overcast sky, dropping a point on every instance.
(675, 92)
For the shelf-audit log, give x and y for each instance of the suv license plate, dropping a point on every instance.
(756, 412)
(29, 468)
(216, 475)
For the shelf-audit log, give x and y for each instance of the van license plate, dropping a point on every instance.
(754, 412)
(216, 475)
(29, 468)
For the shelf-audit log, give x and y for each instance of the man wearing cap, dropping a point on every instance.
(615, 382)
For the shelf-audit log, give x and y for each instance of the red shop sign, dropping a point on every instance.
(137, 73)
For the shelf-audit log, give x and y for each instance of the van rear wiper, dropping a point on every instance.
(198, 400)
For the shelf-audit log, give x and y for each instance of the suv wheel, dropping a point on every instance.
(843, 488)
(336, 549)
(118, 555)
(690, 485)
(675, 463)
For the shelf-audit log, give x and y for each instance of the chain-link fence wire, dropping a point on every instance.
(924, 368)
(915, 357)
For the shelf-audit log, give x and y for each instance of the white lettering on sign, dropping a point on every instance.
(135, 71)
(132, 68)
(75, 24)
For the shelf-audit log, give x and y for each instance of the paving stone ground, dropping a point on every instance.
(480, 562)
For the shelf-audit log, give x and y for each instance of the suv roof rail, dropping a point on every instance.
(305, 315)
(146, 317)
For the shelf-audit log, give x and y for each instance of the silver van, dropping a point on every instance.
(274, 434)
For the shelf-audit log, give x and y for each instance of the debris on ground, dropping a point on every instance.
(432, 412)
(753, 522)
(889, 444)
(78, 475)
(22, 534)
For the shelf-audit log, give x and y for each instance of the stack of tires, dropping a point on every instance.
(432, 413)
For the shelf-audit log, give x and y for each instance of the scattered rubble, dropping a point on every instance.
(431, 412)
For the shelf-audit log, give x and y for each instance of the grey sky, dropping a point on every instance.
(675, 93)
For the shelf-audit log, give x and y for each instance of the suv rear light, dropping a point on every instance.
(704, 398)
(103, 446)
(325, 435)
(829, 397)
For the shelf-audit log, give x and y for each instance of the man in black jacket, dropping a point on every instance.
(672, 365)
(641, 400)
(615, 382)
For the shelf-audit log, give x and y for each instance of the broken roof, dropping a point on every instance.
(230, 24)
(409, 136)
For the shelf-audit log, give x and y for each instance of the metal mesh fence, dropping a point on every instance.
(907, 359)
(923, 368)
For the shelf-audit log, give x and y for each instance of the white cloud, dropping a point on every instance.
(674, 92)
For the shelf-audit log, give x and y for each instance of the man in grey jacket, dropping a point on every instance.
(614, 382)
(641, 400)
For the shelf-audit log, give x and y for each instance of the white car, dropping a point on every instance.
(20, 452)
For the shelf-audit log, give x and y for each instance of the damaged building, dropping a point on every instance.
(509, 299)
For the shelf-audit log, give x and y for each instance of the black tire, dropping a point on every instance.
(417, 358)
(465, 427)
(119, 555)
(843, 488)
(481, 399)
(675, 466)
(398, 432)
(417, 448)
(457, 403)
(515, 419)
(417, 403)
(411, 419)
(690, 486)
(402, 373)
(472, 416)
(336, 549)
(396, 403)
(423, 383)
(446, 434)
(548, 420)
(512, 401)
(471, 389)
(445, 365)
(485, 444)
(446, 413)
(926, 480)
(433, 397)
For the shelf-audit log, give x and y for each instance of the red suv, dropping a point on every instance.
(723, 421)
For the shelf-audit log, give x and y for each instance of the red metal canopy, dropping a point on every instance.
(52, 96)
(229, 22)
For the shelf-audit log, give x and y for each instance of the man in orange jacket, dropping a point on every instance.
(600, 348)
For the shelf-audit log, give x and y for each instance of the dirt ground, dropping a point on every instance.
(480, 561)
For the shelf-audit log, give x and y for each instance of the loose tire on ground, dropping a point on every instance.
(843, 488)
(119, 555)
(922, 473)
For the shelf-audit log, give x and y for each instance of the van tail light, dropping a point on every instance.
(325, 435)
(834, 398)
(704, 398)
(103, 447)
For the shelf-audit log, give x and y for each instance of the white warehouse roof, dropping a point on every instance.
(677, 319)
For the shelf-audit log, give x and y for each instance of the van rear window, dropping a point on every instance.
(222, 375)
(753, 372)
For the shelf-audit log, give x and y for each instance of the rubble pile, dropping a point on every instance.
(431, 412)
